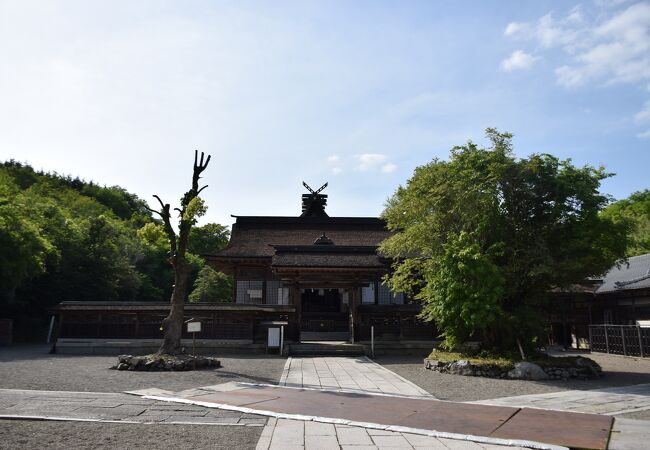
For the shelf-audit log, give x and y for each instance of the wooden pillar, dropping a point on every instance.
(295, 299)
(354, 319)
(57, 333)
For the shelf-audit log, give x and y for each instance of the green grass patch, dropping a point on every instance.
(479, 360)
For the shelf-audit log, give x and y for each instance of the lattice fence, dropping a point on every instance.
(628, 340)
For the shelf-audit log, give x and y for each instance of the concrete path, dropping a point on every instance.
(610, 401)
(109, 407)
(349, 374)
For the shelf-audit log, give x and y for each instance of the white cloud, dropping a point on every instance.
(644, 135)
(388, 168)
(612, 47)
(336, 170)
(518, 60)
(609, 3)
(643, 116)
(514, 28)
(607, 46)
(333, 158)
(370, 161)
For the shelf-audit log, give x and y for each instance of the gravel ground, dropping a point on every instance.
(617, 370)
(30, 434)
(31, 367)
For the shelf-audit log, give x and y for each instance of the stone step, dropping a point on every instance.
(326, 349)
(324, 336)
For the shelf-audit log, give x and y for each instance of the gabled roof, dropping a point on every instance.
(635, 274)
(327, 255)
(255, 236)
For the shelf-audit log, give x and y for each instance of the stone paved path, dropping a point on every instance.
(97, 406)
(348, 374)
(283, 434)
(610, 401)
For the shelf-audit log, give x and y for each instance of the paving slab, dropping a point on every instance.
(347, 374)
(629, 434)
(610, 401)
(114, 407)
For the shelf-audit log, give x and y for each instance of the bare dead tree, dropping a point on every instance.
(190, 208)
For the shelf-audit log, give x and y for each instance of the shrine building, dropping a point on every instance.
(318, 277)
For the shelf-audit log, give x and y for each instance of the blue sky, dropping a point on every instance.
(354, 93)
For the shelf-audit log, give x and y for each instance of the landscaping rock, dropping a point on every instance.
(527, 371)
(591, 366)
(582, 369)
(163, 362)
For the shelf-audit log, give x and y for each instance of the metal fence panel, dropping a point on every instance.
(628, 340)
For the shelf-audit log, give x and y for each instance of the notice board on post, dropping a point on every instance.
(273, 338)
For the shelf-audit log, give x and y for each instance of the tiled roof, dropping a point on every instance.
(635, 274)
(255, 236)
(327, 260)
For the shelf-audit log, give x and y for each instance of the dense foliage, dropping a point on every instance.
(62, 238)
(636, 211)
(481, 239)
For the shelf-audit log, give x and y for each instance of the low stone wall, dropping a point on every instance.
(116, 347)
(584, 369)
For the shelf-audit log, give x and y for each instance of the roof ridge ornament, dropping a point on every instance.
(323, 240)
(622, 284)
(313, 204)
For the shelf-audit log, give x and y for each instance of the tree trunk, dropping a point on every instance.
(173, 323)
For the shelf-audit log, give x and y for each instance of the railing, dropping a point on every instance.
(222, 325)
(396, 327)
(628, 340)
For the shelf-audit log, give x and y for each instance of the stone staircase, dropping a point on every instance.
(326, 348)
(321, 336)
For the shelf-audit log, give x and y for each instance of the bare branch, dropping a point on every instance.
(155, 211)
(162, 205)
(199, 191)
(166, 218)
(199, 167)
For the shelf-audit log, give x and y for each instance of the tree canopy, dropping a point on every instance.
(482, 238)
(635, 210)
(62, 238)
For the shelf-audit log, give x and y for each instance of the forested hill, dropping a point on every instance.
(636, 211)
(62, 238)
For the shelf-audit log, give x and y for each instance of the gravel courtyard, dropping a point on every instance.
(617, 371)
(69, 435)
(31, 367)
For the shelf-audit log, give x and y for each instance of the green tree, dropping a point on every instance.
(634, 210)
(212, 286)
(24, 248)
(208, 238)
(83, 251)
(481, 239)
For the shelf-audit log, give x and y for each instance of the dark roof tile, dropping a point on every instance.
(254, 236)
